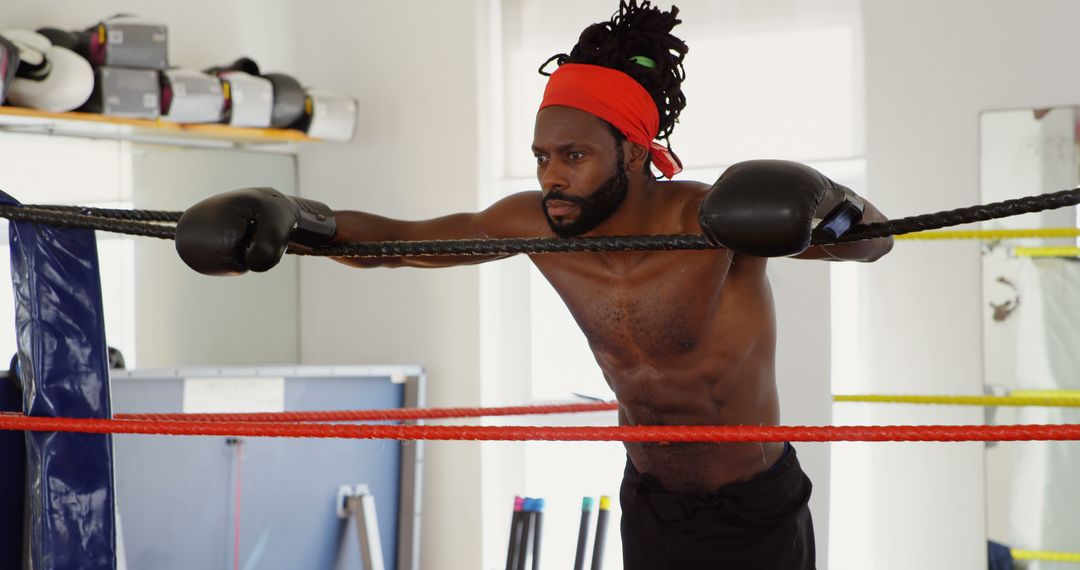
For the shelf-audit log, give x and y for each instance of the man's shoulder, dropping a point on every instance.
(687, 186)
(526, 204)
(525, 198)
(684, 191)
(683, 197)
(517, 215)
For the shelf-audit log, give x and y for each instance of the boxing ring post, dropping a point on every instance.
(69, 496)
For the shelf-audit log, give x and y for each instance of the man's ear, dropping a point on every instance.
(635, 156)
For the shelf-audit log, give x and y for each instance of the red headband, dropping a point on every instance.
(616, 98)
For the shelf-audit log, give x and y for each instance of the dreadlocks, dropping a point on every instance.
(638, 42)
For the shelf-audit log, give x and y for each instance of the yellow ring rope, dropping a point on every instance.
(1046, 555)
(1045, 233)
(1055, 398)
(1046, 251)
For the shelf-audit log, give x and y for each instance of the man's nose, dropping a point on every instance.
(553, 178)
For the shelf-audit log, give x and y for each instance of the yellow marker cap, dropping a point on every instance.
(605, 503)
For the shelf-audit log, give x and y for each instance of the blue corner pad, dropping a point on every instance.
(69, 496)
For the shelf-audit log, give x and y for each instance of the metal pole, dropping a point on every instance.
(362, 506)
(583, 533)
(601, 533)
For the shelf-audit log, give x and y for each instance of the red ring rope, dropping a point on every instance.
(547, 433)
(397, 414)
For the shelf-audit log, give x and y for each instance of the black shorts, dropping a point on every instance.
(763, 522)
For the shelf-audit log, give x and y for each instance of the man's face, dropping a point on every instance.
(580, 169)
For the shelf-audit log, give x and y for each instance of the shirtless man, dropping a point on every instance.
(682, 337)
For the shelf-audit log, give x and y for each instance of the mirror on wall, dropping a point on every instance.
(1031, 330)
(158, 312)
(252, 318)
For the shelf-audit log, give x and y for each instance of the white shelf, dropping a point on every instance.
(92, 125)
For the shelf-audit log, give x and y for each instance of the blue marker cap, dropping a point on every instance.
(539, 504)
(528, 506)
(586, 504)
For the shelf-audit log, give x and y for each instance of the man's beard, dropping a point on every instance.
(592, 209)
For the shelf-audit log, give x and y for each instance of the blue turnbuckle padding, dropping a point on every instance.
(70, 497)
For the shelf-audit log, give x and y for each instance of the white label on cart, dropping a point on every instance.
(233, 395)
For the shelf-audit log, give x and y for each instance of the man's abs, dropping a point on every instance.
(682, 339)
(740, 395)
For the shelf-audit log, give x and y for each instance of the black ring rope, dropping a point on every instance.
(971, 214)
(161, 224)
(136, 215)
(79, 221)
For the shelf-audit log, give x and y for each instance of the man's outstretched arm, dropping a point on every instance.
(518, 215)
(249, 230)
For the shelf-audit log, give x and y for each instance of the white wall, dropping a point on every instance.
(92, 173)
(201, 32)
(801, 292)
(413, 66)
(931, 67)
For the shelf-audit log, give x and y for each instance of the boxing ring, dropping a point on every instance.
(57, 510)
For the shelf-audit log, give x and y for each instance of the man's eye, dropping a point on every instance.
(540, 158)
(575, 155)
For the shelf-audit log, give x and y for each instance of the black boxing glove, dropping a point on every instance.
(773, 208)
(249, 229)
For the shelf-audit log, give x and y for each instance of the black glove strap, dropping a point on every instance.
(316, 225)
(841, 218)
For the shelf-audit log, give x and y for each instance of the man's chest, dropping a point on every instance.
(656, 305)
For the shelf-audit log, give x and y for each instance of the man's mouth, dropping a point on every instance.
(559, 208)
